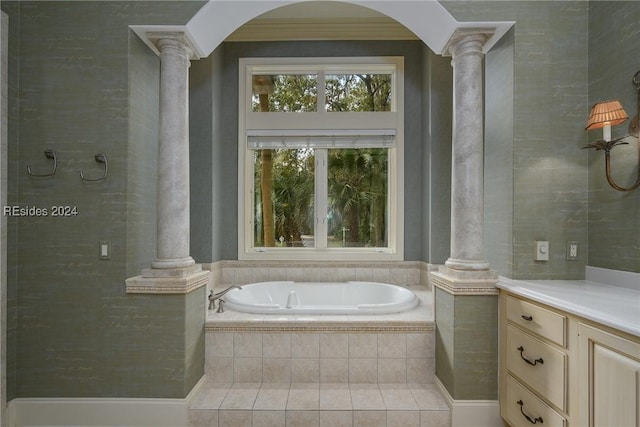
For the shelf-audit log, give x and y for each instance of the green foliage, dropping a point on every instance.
(358, 92)
(293, 194)
(291, 93)
(358, 195)
(357, 178)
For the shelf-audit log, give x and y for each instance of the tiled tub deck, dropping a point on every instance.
(313, 371)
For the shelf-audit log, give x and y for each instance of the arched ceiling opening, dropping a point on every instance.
(321, 20)
(428, 20)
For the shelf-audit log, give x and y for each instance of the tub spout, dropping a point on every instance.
(213, 297)
(293, 300)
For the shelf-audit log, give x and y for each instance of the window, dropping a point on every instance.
(320, 155)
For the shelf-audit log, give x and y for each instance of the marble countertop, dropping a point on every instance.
(613, 306)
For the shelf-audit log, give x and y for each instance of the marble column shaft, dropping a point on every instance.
(173, 161)
(467, 204)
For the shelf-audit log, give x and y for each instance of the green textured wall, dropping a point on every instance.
(85, 85)
(550, 106)
(208, 157)
(614, 217)
(498, 147)
(11, 9)
(437, 132)
(142, 155)
(467, 345)
(201, 145)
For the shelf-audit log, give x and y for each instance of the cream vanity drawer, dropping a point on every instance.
(523, 408)
(538, 320)
(539, 365)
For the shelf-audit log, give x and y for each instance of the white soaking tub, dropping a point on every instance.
(286, 297)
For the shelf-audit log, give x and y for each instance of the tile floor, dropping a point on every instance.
(318, 405)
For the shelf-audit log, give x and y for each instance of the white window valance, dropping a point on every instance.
(366, 138)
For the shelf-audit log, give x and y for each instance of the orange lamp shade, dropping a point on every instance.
(607, 112)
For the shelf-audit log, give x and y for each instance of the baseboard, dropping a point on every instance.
(99, 412)
(471, 413)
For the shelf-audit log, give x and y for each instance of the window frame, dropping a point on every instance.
(321, 123)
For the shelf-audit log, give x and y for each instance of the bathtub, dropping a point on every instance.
(287, 297)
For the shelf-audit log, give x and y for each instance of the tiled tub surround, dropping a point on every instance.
(323, 370)
(392, 348)
(224, 273)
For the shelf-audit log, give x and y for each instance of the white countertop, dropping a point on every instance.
(613, 306)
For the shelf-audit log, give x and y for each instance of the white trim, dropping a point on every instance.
(322, 123)
(471, 413)
(149, 33)
(427, 20)
(100, 412)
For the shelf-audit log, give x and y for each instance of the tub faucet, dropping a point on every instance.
(213, 297)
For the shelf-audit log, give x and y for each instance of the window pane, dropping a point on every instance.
(287, 93)
(358, 92)
(283, 197)
(357, 197)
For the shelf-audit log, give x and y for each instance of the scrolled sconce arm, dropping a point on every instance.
(606, 146)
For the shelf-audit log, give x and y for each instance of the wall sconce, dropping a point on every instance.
(610, 113)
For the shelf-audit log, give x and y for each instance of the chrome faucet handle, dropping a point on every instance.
(212, 300)
(213, 297)
(220, 306)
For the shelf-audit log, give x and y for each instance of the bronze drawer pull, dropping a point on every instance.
(527, 318)
(532, 421)
(536, 361)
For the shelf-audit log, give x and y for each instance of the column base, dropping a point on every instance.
(168, 281)
(465, 282)
(172, 262)
(466, 314)
(467, 265)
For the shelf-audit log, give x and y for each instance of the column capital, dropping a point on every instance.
(467, 40)
(178, 42)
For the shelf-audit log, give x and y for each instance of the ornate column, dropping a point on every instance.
(173, 270)
(173, 157)
(467, 173)
(466, 300)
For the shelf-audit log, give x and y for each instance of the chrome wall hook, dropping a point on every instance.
(49, 154)
(100, 158)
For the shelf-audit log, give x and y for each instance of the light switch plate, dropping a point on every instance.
(104, 249)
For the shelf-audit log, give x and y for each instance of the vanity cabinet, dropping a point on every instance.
(609, 378)
(534, 364)
(559, 369)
